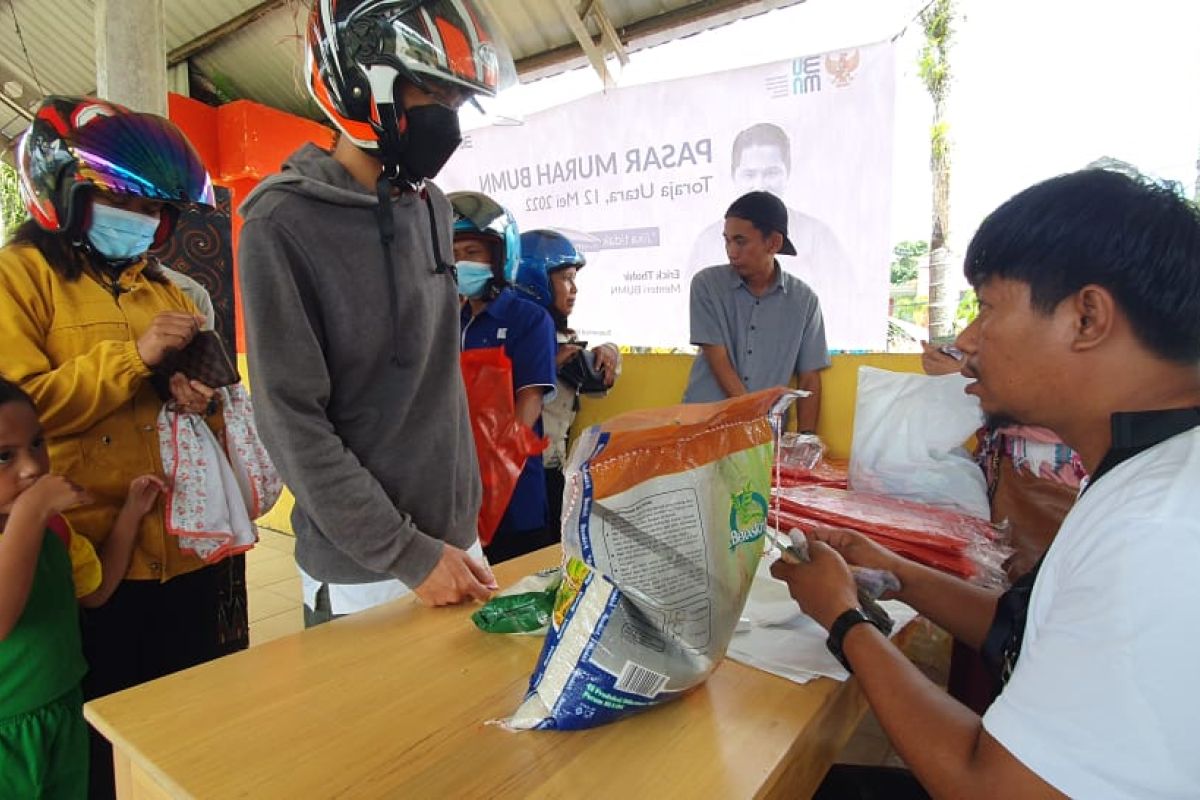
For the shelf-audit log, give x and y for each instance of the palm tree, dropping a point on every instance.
(937, 20)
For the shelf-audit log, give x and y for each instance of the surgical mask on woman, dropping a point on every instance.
(118, 234)
(472, 278)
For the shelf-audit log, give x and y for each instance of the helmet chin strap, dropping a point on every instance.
(395, 174)
(391, 116)
(391, 145)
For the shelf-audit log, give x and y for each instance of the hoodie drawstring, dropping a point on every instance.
(387, 233)
(442, 267)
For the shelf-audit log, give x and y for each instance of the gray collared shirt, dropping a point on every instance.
(768, 338)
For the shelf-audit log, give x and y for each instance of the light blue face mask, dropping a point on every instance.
(119, 235)
(472, 277)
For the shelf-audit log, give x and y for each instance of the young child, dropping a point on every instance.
(44, 566)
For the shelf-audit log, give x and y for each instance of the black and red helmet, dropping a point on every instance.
(357, 49)
(78, 143)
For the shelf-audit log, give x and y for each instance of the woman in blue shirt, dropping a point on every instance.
(487, 249)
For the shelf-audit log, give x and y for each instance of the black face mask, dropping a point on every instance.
(431, 138)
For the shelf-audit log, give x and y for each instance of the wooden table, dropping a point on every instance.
(394, 702)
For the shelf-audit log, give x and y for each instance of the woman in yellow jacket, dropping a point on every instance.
(85, 317)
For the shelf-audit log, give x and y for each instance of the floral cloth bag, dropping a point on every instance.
(215, 492)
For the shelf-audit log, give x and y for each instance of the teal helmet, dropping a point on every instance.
(544, 252)
(476, 214)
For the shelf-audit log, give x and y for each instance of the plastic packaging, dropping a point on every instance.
(826, 473)
(665, 515)
(524, 607)
(908, 435)
(502, 443)
(802, 450)
(956, 543)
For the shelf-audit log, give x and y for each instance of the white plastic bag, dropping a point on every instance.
(908, 435)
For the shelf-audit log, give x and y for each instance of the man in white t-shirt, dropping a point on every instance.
(1089, 325)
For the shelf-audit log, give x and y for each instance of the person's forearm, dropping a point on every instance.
(936, 736)
(808, 409)
(528, 405)
(962, 609)
(114, 557)
(722, 369)
(19, 547)
(942, 741)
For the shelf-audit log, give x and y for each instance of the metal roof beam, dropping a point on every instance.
(227, 28)
(595, 55)
(692, 18)
(607, 32)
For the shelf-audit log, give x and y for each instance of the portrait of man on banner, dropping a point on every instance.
(761, 160)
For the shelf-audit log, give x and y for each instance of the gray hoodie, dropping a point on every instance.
(371, 434)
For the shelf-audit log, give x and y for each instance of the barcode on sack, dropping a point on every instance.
(638, 680)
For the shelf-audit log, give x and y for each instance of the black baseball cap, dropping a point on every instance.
(767, 212)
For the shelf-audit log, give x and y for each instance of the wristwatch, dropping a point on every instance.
(837, 632)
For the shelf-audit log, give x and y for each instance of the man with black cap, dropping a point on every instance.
(756, 325)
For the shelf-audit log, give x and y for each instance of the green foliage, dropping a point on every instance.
(12, 210)
(912, 309)
(934, 64)
(907, 261)
(224, 87)
(968, 309)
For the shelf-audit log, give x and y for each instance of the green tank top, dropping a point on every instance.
(42, 658)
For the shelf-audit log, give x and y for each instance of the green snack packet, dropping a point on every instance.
(524, 608)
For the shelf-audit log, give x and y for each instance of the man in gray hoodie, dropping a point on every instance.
(351, 311)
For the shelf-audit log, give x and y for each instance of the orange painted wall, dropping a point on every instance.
(241, 143)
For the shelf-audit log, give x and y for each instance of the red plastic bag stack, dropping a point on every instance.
(502, 443)
(959, 544)
(827, 472)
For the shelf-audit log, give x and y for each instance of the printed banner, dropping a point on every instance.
(640, 177)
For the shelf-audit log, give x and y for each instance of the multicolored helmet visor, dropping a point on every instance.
(75, 142)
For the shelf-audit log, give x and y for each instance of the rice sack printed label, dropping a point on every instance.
(665, 523)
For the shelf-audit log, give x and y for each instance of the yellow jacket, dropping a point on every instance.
(72, 346)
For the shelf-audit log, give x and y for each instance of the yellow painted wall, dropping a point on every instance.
(652, 381)
(655, 380)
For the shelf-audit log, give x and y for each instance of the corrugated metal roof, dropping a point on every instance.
(54, 51)
(254, 48)
(263, 61)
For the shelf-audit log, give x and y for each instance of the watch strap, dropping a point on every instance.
(837, 633)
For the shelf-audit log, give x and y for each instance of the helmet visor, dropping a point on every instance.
(453, 41)
(478, 213)
(143, 155)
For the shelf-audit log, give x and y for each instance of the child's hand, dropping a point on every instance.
(143, 491)
(52, 494)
